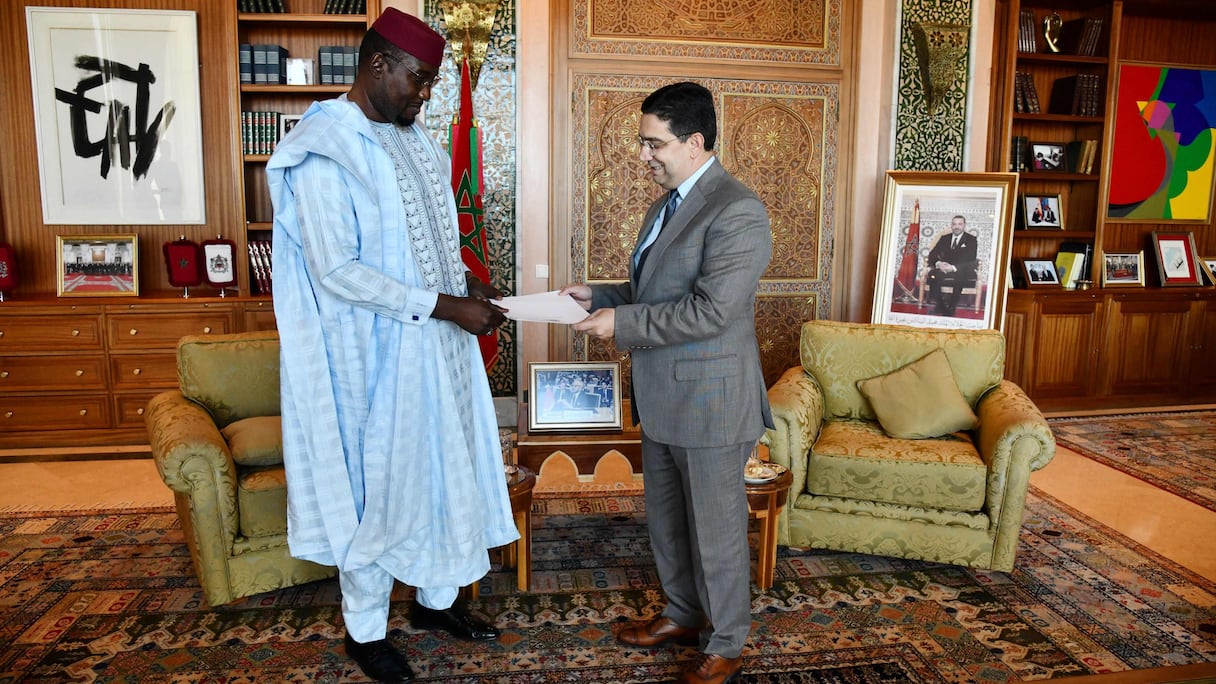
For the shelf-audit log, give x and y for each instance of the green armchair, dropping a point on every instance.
(953, 499)
(217, 444)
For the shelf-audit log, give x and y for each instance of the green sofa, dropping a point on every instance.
(217, 443)
(955, 499)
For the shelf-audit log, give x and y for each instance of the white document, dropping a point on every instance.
(545, 307)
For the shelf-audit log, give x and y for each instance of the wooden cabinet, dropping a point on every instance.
(1064, 349)
(302, 32)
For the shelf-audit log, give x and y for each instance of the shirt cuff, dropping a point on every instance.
(419, 305)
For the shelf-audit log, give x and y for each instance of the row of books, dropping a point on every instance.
(1025, 97)
(1072, 263)
(345, 6)
(262, 131)
(1081, 36)
(259, 266)
(1079, 95)
(265, 64)
(261, 6)
(1027, 34)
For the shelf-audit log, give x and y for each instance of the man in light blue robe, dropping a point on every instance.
(394, 465)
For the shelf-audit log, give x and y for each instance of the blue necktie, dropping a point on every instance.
(673, 201)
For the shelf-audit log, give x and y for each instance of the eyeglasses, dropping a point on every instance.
(650, 145)
(422, 83)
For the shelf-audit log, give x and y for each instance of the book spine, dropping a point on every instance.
(325, 58)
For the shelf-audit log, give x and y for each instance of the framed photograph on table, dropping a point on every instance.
(1048, 156)
(943, 255)
(1042, 212)
(1123, 269)
(1177, 264)
(1040, 273)
(574, 396)
(219, 263)
(1209, 270)
(117, 115)
(97, 265)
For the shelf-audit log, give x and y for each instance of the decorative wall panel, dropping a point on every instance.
(494, 107)
(934, 71)
(778, 138)
(776, 31)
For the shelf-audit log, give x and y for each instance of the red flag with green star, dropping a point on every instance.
(465, 148)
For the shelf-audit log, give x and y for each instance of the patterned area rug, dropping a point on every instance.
(1173, 451)
(110, 597)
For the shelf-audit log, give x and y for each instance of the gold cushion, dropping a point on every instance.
(256, 441)
(920, 400)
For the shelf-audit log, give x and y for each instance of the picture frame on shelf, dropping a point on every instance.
(1042, 212)
(1209, 270)
(915, 279)
(1123, 269)
(1177, 263)
(97, 265)
(219, 263)
(288, 122)
(1040, 273)
(151, 58)
(1048, 157)
(574, 396)
(1162, 167)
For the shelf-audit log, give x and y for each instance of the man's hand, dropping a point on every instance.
(477, 316)
(601, 324)
(580, 293)
(945, 267)
(480, 290)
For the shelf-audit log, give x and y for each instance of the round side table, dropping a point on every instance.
(765, 501)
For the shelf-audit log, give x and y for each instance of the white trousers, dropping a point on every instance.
(365, 601)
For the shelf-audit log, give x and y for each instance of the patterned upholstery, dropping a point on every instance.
(234, 516)
(956, 499)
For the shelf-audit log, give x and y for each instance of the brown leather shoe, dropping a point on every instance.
(659, 631)
(711, 668)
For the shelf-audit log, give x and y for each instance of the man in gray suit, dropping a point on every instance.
(686, 316)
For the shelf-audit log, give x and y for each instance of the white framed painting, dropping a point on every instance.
(117, 115)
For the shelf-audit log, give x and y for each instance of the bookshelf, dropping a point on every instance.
(305, 31)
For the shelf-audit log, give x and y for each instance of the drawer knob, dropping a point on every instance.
(84, 412)
(133, 332)
(139, 411)
(75, 332)
(3, 374)
(79, 372)
(207, 329)
(1, 333)
(137, 371)
(8, 414)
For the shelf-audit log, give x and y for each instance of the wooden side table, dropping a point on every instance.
(518, 554)
(585, 448)
(765, 501)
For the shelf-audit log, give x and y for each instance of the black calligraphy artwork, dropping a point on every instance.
(131, 144)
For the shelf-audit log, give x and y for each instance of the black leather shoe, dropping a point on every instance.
(455, 620)
(379, 660)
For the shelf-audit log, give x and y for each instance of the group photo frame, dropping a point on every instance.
(97, 265)
(572, 396)
(944, 249)
(1123, 269)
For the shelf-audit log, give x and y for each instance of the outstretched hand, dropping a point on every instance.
(474, 315)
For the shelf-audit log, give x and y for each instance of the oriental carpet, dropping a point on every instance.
(110, 597)
(1174, 451)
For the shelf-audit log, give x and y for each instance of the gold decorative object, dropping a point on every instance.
(469, 24)
(1051, 31)
(941, 51)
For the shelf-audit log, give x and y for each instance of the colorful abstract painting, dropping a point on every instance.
(1164, 148)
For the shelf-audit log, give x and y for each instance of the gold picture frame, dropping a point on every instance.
(574, 396)
(920, 209)
(1123, 269)
(97, 265)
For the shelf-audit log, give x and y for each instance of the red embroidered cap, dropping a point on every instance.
(411, 34)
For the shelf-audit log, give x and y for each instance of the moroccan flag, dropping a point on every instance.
(465, 148)
(910, 255)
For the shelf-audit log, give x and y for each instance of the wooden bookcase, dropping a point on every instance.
(1099, 348)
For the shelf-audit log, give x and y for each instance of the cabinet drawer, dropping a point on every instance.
(50, 333)
(26, 373)
(162, 331)
(63, 412)
(129, 408)
(131, 371)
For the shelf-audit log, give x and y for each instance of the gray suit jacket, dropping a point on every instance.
(688, 321)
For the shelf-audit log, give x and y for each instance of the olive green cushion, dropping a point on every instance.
(261, 496)
(920, 400)
(232, 376)
(256, 441)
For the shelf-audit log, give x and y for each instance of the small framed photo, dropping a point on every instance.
(97, 265)
(1177, 263)
(1123, 269)
(288, 122)
(1208, 263)
(1040, 273)
(219, 263)
(1047, 156)
(575, 396)
(1042, 212)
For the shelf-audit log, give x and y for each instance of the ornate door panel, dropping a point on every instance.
(777, 133)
